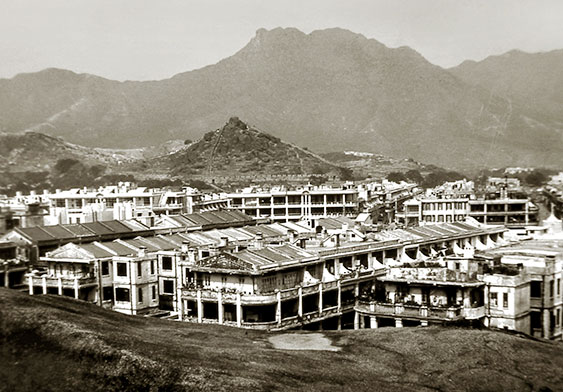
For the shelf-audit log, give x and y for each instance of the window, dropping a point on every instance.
(207, 280)
(139, 269)
(505, 300)
(121, 269)
(105, 268)
(152, 267)
(122, 294)
(107, 293)
(167, 263)
(168, 286)
(140, 292)
(551, 288)
(558, 286)
(153, 292)
(494, 299)
(558, 317)
(535, 289)
(241, 281)
(223, 280)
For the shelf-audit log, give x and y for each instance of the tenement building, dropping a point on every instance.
(275, 276)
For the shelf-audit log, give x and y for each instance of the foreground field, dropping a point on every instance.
(55, 343)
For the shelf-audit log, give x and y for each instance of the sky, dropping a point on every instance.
(151, 40)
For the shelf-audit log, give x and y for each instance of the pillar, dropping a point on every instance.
(60, 285)
(278, 308)
(30, 284)
(199, 306)
(320, 298)
(339, 297)
(372, 319)
(76, 288)
(239, 311)
(6, 276)
(220, 307)
(300, 307)
(44, 284)
(356, 320)
(398, 323)
(339, 324)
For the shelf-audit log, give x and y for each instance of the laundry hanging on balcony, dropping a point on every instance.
(342, 270)
(405, 258)
(479, 245)
(327, 276)
(309, 279)
(421, 256)
(457, 250)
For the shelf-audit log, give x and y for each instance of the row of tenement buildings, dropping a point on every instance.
(305, 257)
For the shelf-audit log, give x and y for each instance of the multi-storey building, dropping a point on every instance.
(285, 205)
(311, 203)
(543, 262)
(12, 266)
(497, 211)
(433, 210)
(425, 292)
(507, 297)
(23, 211)
(122, 201)
(249, 276)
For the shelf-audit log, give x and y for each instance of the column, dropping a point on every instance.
(199, 306)
(373, 322)
(300, 307)
(6, 276)
(278, 308)
(372, 319)
(60, 285)
(339, 297)
(398, 323)
(30, 284)
(339, 325)
(220, 307)
(320, 298)
(356, 320)
(239, 311)
(76, 288)
(44, 284)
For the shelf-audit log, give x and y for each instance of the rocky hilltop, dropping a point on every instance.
(238, 148)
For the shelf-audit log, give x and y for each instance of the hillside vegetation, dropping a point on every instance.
(51, 343)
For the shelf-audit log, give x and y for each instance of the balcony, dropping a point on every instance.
(415, 311)
(67, 282)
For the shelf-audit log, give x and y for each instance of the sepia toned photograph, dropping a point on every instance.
(250, 195)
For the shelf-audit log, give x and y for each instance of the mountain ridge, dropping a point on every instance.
(327, 90)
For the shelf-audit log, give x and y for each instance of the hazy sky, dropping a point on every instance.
(141, 40)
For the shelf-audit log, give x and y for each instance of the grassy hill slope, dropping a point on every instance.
(55, 343)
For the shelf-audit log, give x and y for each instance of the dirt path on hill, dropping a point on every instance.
(302, 341)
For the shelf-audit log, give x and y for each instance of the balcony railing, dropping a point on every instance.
(67, 282)
(420, 311)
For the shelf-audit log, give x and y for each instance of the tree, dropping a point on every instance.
(414, 176)
(535, 178)
(396, 177)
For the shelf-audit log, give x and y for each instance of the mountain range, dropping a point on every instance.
(330, 90)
